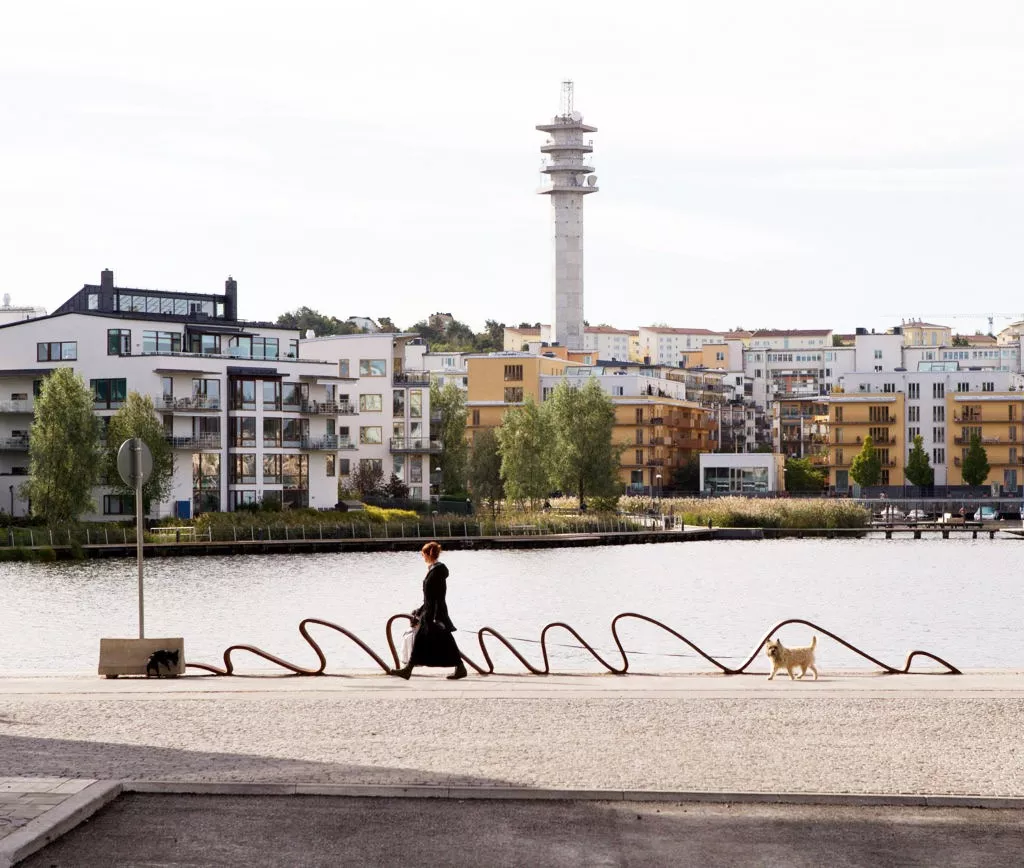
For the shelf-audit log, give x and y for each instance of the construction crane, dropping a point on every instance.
(991, 317)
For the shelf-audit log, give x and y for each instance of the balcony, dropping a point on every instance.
(413, 445)
(987, 441)
(16, 407)
(411, 378)
(195, 404)
(14, 444)
(324, 444)
(655, 462)
(657, 420)
(194, 444)
(327, 408)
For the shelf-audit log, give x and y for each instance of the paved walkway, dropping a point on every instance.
(845, 734)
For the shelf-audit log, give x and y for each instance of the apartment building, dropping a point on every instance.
(661, 345)
(498, 381)
(445, 368)
(997, 418)
(249, 415)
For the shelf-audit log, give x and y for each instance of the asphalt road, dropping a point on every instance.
(253, 831)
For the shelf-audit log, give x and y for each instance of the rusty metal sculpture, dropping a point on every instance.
(488, 667)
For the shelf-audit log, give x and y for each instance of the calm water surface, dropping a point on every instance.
(959, 599)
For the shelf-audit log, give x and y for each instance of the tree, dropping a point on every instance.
(975, 464)
(396, 488)
(387, 324)
(304, 318)
(960, 341)
(64, 449)
(686, 477)
(583, 458)
(137, 418)
(485, 482)
(368, 477)
(803, 476)
(450, 402)
(523, 438)
(919, 469)
(866, 468)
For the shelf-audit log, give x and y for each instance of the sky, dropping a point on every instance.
(784, 165)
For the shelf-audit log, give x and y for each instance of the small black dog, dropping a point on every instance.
(163, 657)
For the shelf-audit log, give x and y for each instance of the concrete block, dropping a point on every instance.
(215, 788)
(129, 656)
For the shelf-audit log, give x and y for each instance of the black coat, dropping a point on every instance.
(434, 644)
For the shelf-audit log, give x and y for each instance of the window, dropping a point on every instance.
(939, 434)
(639, 456)
(938, 414)
(119, 342)
(243, 469)
(93, 301)
(938, 456)
(343, 368)
(938, 390)
(889, 387)
(398, 402)
(271, 394)
(294, 395)
(294, 431)
(476, 417)
(913, 414)
(639, 436)
(161, 342)
(839, 414)
(988, 387)
(371, 465)
(205, 482)
(66, 351)
(206, 345)
(330, 465)
(344, 466)
(108, 394)
(243, 394)
(963, 387)
(243, 431)
(206, 393)
(878, 414)
(913, 432)
(245, 497)
(118, 504)
(513, 373)
(271, 432)
(373, 367)
(371, 434)
(513, 394)
(639, 415)
(878, 354)
(416, 403)
(416, 471)
(19, 396)
(398, 466)
(371, 403)
(265, 348)
(293, 351)
(272, 469)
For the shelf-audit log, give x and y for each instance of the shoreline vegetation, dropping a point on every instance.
(642, 518)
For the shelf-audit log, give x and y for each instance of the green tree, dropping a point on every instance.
(387, 324)
(919, 469)
(960, 341)
(396, 488)
(686, 477)
(64, 449)
(583, 459)
(803, 476)
(304, 318)
(368, 478)
(137, 418)
(485, 482)
(450, 402)
(523, 438)
(975, 464)
(866, 468)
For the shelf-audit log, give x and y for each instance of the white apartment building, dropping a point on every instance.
(925, 391)
(447, 368)
(662, 345)
(15, 313)
(249, 415)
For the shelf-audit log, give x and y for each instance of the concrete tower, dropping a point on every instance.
(568, 182)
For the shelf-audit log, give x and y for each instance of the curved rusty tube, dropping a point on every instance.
(488, 667)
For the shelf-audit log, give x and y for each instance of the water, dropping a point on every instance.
(957, 598)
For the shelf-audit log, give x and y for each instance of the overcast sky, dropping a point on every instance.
(761, 164)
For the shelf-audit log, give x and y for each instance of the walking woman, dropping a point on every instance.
(434, 644)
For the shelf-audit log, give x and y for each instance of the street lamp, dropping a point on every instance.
(657, 480)
(10, 488)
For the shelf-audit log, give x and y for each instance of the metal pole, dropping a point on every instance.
(137, 453)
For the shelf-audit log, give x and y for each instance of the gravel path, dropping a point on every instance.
(811, 743)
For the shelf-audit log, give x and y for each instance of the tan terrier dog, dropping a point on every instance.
(791, 658)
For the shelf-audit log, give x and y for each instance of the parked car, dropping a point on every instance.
(917, 515)
(890, 513)
(986, 513)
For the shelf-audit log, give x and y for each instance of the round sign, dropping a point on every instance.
(134, 462)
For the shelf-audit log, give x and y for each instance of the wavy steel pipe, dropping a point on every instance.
(490, 631)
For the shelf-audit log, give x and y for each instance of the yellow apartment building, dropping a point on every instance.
(795, 427)
(998, 419)
(502, 380)
(851, 418)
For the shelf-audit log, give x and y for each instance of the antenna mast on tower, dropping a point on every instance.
(567, 93)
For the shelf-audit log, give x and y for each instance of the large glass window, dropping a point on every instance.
(118, 504)
(119, 342)
(271, 394)
(243, 469)
(371, 434)
(205, 482)
(416, 403)
(271, 432)
(373, 367)
(294, 395)
(161, 342)
(398, 402)
(108, 394)
(207, 345)
(57, 351)
(243, 431)
(371, 403)
(265, 348)
(243, 394)
(330, 465)
(272, 469)
(206, 393)
(243, 497)
(295, 431)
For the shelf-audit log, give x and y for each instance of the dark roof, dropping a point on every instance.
(25, 372)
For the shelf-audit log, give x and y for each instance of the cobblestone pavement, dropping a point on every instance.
(906, 734)
(23, 799)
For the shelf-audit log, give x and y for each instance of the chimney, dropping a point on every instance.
(230, 299)
(106, 279)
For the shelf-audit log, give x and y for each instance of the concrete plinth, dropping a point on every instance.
(129, 656)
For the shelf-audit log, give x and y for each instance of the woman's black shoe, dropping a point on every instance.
(460, 672)
(405, 672)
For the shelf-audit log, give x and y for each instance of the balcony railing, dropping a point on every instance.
(186, 405)
(14, 444)
(411, 378)
(203, 441)
(413, 444)
(16, 407)
(991, 441)
(656, 420)
(327, 408)
(655, 462)
(323, 444)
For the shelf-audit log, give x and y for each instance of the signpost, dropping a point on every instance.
(135, 466)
